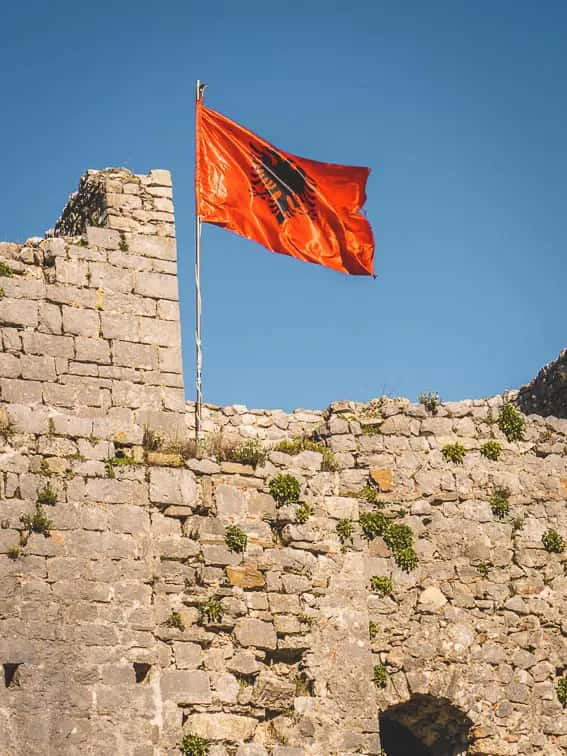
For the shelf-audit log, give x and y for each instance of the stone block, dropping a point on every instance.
(141, 356)
(173, 486)
(245, 576)
(28, 419)
(273, 692)
(69, 395)
(46, 344)
(127, 394)
(249, 631)
(168, 310)
(170, 360)
(9, 365)
(437, 426)
(432, 600)
(19, 287)
(186, 686)
(80, 322)
(220, 555)
(109, 278)
(72, 272)
(219, 726)
(104, 238)
(20, 392)
(230, 501)
(49, 320)
(38, 368)
(119, 326)
(152, 246)
(165, 333)
(187, 655)
(113, 491)
(129, 304)
(156, 285)
(159, 177)
(398, 425)
(261, 505)
(383, 479)
(18, 312)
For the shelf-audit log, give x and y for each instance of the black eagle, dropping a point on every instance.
(286, 187)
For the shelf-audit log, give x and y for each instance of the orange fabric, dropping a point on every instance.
(292, 205)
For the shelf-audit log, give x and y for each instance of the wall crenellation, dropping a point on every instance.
(394, 597)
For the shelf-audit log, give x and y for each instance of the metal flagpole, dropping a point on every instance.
(198, 383)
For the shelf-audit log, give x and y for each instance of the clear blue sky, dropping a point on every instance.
(459, 108)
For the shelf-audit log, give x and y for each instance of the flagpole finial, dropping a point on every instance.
(199, 90)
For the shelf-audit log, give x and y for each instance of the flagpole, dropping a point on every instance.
(199, 357)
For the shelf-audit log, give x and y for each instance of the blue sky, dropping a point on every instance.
(459, 108)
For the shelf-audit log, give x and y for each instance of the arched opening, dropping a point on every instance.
(424, 726)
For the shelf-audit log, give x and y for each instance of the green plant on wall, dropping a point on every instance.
(345, 530)
(561, 689)
(210, 611)
(248, 453)
(373, 630)
(430, 401)
(303, 513)
(285, 489)
(553, 542)
(193, 745)
(406, 559)
(175, 620)
(511, 422)
(373, 524)
(454, 453)
(381, 585)
(297, 445)
(47, 496)
(491, 450)
(5, 270)
(499, 502)
(370, 494)
(398, 538)
(380, 676)
(38, 522)
(236, 539)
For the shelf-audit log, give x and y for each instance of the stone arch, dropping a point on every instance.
(425, 725)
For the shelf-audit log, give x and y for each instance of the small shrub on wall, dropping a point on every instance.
(285, 489)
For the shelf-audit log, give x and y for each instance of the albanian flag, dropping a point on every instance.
(289, 204)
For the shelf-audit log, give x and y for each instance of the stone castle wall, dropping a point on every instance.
(132, 622)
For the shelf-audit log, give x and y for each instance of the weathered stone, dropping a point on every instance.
(245, 576)
(383, 479)
(186, 687)
(171, 486)
(432, 600)
(253, 632)
(230, 500)
(230, 727)
(273, 692)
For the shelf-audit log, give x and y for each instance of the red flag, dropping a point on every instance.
(292, 205)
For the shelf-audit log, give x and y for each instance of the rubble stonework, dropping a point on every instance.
(132, 618)
(547, 393)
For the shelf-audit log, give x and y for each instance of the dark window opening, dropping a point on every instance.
(424, 726)
(141, 670)
(11, 675)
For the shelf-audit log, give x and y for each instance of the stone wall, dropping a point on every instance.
(547, 393)
(133, 618)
